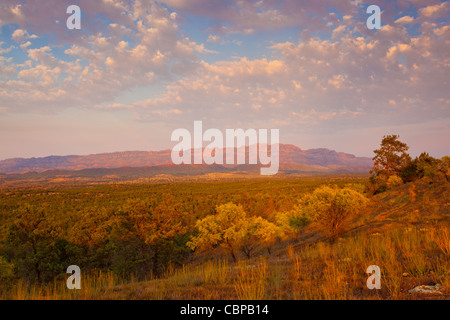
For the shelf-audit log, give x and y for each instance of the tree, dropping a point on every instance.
(155, 225)
(267, 232)
(292, 221)
(231, 229)
(409, 171)
(426, 166)
(257, 230)
(34, 244)
(225, 229)
(391, 157)
(394, 181)
(332, 208)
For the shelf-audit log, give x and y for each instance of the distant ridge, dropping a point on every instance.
(292, 159)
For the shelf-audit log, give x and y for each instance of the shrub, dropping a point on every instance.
(225, 230)
(291, 222)
(377, 184)
(394, 181)
(232, 229)
(332, 207)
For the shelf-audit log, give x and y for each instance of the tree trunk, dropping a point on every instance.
(232, 255)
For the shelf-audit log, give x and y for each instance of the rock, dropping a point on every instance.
(436, 289)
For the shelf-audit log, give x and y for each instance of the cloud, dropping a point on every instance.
(98, 67)
(247, 17)
(435, 11)
(4, 50)
(405, 20)
(312, 82)
(49, 17)
(20, 35)
(388, 78)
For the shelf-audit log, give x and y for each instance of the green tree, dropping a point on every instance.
(426, 166)
(391, 157)
(34, 245)
(150, 231)
(7, 275)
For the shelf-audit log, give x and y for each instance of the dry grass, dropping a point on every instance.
(410, 245)
(251, 282)
(92, 285)
(441, 236)
(321, 270)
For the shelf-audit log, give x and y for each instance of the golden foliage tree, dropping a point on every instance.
(231, 229)
(290, 222)
(266, 232)
(394, 181)
(257, 230)
(225, 229)
(332, 207)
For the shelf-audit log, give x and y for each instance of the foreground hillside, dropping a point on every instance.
(405, 231)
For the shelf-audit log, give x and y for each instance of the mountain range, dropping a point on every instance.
(292, 160)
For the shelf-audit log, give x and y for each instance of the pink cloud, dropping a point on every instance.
(435, 11)
(104, 64)
(382, 78)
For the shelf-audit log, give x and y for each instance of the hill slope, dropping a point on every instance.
(406, 231)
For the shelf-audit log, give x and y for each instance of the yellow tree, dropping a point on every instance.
(225, 229)
(266, 232)
(332, 207)
(257, 231)
(290, 222)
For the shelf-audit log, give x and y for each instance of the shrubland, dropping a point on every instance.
(275, 238)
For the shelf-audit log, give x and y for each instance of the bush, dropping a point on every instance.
(394, 181)
(425, 166)
(225, 230)
(376, 185)
(231, 229)
(409, 172)
(332, 208)
(291, 222)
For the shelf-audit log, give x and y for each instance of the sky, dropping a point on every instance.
(139, 69)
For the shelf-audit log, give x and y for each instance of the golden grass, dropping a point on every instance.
(92, 284)
(251, 282)
(441, 236)
(215, 272)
